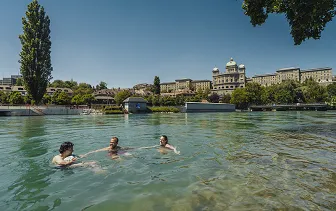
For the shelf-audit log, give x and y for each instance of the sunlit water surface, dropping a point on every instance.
(228, 161)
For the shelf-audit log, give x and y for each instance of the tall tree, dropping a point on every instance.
(156, 85)
(19, 82)
(307, 18)
(36, 48)
(102, 85)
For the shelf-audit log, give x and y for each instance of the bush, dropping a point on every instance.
(108, 108)
(164, 109)
(114, 112)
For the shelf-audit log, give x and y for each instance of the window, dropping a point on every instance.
(8, 88)
(227, 87)
(52, 90)
(20, 88)
(1, 87)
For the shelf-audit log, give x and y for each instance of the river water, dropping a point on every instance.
(228, 161)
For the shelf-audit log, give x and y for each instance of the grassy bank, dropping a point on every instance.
(164, 109)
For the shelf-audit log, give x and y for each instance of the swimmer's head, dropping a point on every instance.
(66, 148)
(163, 140)
(114, 142)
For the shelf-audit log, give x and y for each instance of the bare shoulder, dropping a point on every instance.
(57, 159)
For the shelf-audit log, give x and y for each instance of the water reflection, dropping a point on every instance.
(34, 171)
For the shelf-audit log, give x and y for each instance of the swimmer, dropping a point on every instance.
(65, 150)
(164, 145)
(112, 149)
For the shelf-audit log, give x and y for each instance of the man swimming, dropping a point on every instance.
(65, 150)
(164, 144)
(113, 148)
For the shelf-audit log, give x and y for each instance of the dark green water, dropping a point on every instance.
(228, 161)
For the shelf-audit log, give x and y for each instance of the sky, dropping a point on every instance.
(126, 42)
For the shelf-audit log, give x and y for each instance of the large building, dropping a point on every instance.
(320, 75)
(185, 85)
(233, 77)
(50, 90)
(10, 81)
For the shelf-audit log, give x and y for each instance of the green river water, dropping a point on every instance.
(228, 161)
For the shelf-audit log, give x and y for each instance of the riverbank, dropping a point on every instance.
(29, 110)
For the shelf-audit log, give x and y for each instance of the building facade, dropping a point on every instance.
(320, 75)
(50, 90)
(10, 81)
(233, 77)
(186, 85)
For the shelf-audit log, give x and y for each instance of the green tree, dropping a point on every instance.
(77, 100)
(254, 92)
(156, 85)
(88, 99)
(28, 99)
(46, 99)
(63, 99)
(83, 88)
(226, 98)
(70, 84)
(57, 84)
(213, 98)
(307, 18)
(121, 96)
(102, 85)
(19, 82)
(331, 89)
(36, 48)
(3, 97)
(239, 98)
(15, 98)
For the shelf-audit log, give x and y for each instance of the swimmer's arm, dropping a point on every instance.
(173, 148)
(59, 161)
(148, 147)
(98, 150)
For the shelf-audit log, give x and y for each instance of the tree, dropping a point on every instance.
(102, 85)
(239, 98)
(57, 84)
(121, 96)
(226, 98)
(3, 97)
(331, 88)
(19, 82)
(35, 54)
(214, 98)
(156, 85)
(307, 18)
(15, 98)
(46, 99)
(254, 92)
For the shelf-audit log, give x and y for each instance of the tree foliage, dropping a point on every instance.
(121, 96)
(156, 85)
(307, 18)
(36, 48)
(15, 98)
(19, 82)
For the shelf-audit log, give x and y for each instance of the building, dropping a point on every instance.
(50, 90)
(182, 85)
(320, 75)
(10, 81)
(135, 104)
(233, 77)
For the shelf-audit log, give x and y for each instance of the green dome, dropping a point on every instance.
(231, 63)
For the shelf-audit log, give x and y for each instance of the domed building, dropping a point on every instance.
(233, 77)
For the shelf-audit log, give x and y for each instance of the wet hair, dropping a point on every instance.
(115, 138)
(65, 146)
(165, 137)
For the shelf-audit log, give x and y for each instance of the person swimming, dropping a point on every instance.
(113, 149)
(65, 150)
(165, 145)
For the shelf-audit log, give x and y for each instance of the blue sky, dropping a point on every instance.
(125, 42)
